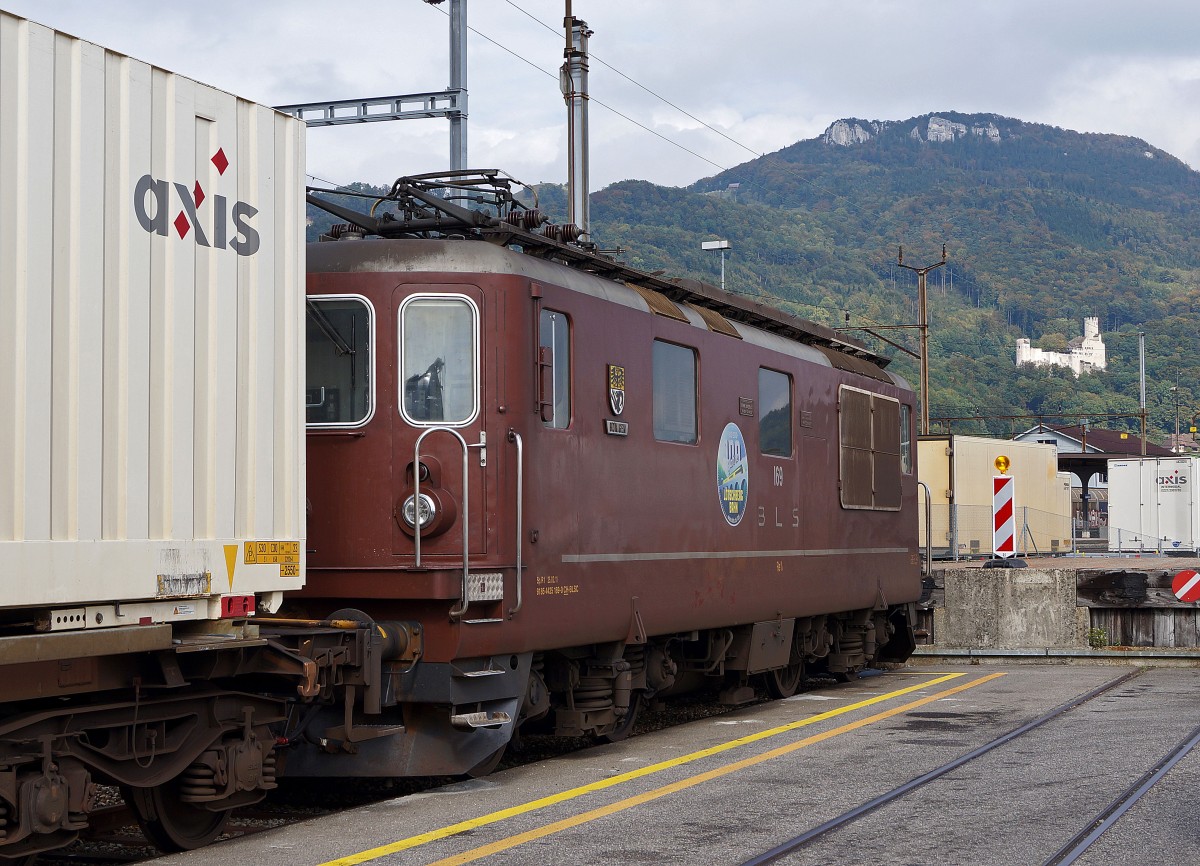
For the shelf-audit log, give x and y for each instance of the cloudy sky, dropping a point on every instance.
(764, 73)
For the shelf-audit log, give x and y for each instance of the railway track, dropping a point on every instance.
(1071, 851)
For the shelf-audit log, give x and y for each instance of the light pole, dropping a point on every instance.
(718, 245)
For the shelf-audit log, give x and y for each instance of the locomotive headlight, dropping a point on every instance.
(425, 511)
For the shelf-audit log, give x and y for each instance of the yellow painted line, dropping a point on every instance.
(612, 781)
(690, 782)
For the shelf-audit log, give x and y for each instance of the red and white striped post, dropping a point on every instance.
(1004, 524)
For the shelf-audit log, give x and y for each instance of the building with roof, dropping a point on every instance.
(1084, 451)
(1083, 353)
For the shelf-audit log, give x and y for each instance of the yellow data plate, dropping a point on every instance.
(272, 553)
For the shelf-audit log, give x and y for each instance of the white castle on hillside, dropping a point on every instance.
(1083, 353)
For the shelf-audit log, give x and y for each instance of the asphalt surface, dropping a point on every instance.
(723, 790)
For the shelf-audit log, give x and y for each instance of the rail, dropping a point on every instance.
(797, 842)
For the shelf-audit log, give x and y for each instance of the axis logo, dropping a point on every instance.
(1175, 481)
(152, 203)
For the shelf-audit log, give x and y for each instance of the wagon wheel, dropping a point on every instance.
(625, 727)
(783, 682)
(170, 824)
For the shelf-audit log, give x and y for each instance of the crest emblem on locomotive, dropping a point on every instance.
(616, 388)
(733, 474)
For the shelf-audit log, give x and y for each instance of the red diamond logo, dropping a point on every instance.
(220, 161)
(182, 225)
(198, 194)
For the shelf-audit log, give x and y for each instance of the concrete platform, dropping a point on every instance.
(720, 790)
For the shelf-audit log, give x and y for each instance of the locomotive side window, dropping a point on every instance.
(339, 370)
(775, 408)
(674, 393)
(439, 360)
(554, 334)
(869, 438)
(906, 462)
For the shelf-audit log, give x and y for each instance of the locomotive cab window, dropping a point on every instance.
(775, 413)
(439, 360)
(339, 387)
(674, 393)
(554, 366)
(869, 439)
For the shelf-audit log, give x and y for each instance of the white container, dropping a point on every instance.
(151, 315)
(959, 471)
(1152, 504)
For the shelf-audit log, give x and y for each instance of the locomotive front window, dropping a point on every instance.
(339, 371)
(906, 462)
(775, 406)
(439, 360)
(674, 393)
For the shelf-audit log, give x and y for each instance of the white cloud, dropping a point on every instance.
(764, 72)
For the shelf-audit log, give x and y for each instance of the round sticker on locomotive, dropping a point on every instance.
(733, 474)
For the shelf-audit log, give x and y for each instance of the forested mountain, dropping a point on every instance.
(1043, 226)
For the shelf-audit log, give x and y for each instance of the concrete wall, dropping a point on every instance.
(1002, 608)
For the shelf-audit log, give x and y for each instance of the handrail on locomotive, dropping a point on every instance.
(419, 523)
(515, 438)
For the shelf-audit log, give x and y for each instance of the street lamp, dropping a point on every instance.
(718, 245)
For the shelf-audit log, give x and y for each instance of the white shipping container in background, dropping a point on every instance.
(1152, 504)
(151, 315)
(959, 470)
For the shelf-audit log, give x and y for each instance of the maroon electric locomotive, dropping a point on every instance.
(555, 487)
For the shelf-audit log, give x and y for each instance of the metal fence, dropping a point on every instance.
(963, 531)
(1121, 540)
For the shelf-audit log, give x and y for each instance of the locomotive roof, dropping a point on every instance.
(425, 210)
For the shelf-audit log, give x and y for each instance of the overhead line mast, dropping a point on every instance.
(923, 326)
(450, 103)
(573, 79)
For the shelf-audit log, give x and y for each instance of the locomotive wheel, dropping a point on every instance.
(625, 727)
(172, 825)
(488, 764)
(783, 682)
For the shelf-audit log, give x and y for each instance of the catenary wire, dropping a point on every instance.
(849, 204)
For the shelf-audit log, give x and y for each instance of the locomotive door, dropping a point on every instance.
(439, 393)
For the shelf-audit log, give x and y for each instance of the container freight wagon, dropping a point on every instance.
(959, 470)
(1152, 505)
(152, 441)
